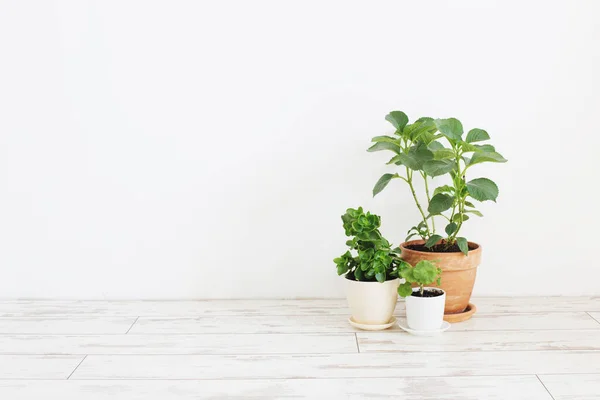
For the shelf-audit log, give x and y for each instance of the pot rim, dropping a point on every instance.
(441, 297)
(381, 283)
(429, 287)
(403, 245)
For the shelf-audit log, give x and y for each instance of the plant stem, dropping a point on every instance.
(428, 200)
(414, 194)
(421, 290)
(459, 181)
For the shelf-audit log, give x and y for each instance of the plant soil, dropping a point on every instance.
(437, 248)
(428, 293)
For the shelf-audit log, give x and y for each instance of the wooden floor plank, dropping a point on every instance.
(37, 367)
(66, 325)
(553, 304)
(596, 316)
(180, 344)
(526, 321)
(338, 324)
(194, 308)
(573, 387)
(339, 365)
(455, 388)
(33, 308)
(244, 324)
(392, 341)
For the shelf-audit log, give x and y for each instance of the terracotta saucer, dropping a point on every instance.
(463, 316)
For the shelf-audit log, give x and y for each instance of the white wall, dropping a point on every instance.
(174, 149)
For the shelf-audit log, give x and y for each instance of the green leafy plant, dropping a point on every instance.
(432, 148)
(375, 260)
(422, 274)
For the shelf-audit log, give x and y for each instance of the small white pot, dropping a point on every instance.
(372, 303)
(425, 313)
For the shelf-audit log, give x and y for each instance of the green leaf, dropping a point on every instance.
(433, 239)
(485, 147)
(433, 146)
(383, 182)
(451, 128)
(463, 245)
(426, 272)
(405, 289)
(440, 203)
(443, 189)
(398, 119)
(410, 160)
(486, 156)
(450, 228)
(395, 160)
(385, 139)
(408, 274)
(477, 135)
(438, 167)
(420, 131)
(458, 217)
(482, 189)
(469, 204)
(425, 119)
(416, 157)
(475, 212)
(468, 147)
(443, 154)
(384, 146)
(380, 276)
(412, 235)
(358, 274)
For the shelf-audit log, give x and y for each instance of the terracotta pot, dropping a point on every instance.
(458, 272)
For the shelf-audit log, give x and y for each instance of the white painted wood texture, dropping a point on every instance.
(294, 349)
(572, 386)
(527, 321)
(338, 365)
(180, 344)
(452, 388)
(197, 308)
(525, 340)
(65, 325)
(37, 367)
(339, 323)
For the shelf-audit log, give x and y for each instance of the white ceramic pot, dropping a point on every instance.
(372, 303)
(425, 313)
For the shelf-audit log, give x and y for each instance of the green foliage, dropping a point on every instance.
(477, 135)
(482, 189)
(375, 260)
(451, 128)
(422, 274)
(383, 182)
(398, 119)
(463, 245)
(436, 148)
(433, 239)
(440, 203)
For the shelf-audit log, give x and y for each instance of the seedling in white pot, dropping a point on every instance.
(424, 305)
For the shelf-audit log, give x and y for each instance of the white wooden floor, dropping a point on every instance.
(514, 348)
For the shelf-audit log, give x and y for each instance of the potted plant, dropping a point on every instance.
(430, 148)
(424, 305)
(370, 268)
